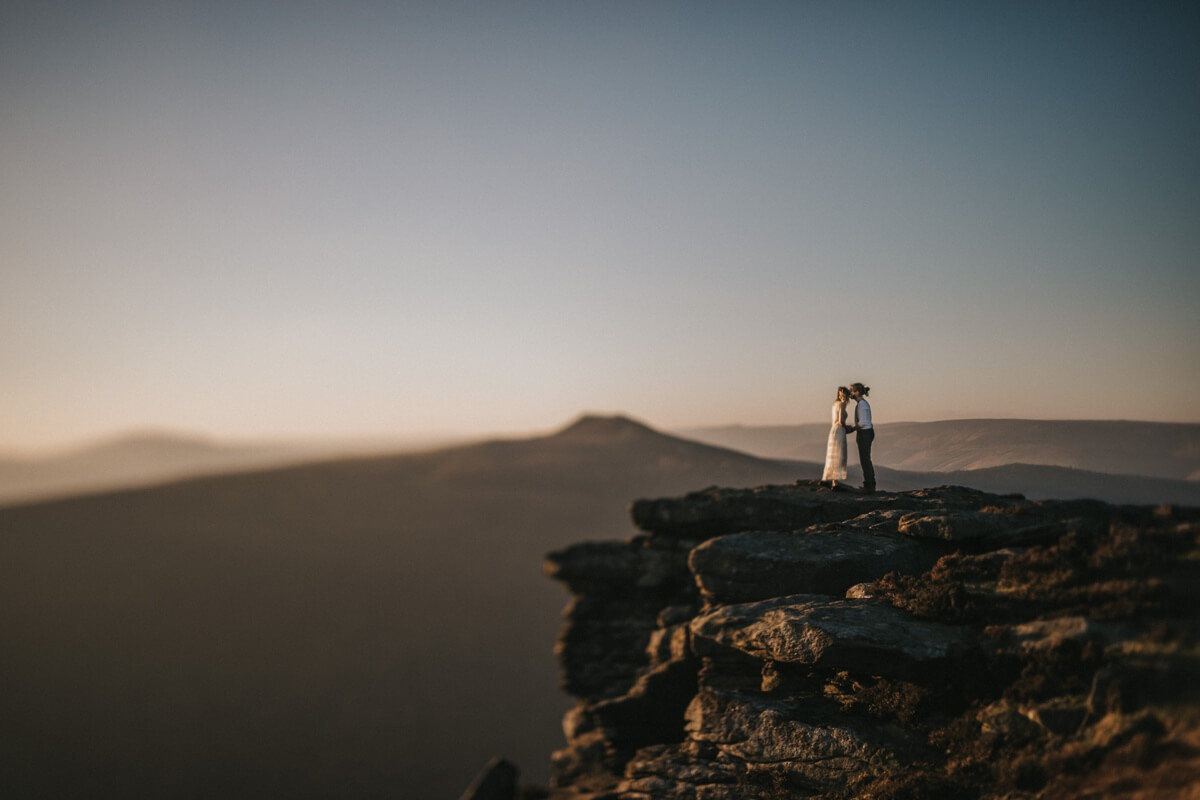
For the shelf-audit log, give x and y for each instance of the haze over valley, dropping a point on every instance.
(379, 623)
(375, 622)
(1121, 447)
(141, 458)
(912, 454)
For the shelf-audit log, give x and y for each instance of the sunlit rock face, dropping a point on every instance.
(791, 641)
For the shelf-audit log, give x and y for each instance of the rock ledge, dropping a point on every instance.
(788, 641)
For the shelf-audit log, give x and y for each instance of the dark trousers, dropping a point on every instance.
(865, 437)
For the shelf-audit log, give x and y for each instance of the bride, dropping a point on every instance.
(835, 451)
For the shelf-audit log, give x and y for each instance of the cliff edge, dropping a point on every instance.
(790, 641)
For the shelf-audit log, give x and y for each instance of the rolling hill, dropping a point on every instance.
(370, 628)
(1042, 482)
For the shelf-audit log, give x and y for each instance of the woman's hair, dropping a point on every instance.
(863, 390)
(842, 390)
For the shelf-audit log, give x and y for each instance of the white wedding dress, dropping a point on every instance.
(835, 451)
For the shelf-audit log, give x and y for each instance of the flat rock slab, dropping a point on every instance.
(856, 635)
(758, 565)
(714, 512)
(718, 511)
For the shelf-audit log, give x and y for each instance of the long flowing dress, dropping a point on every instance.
(835, 451)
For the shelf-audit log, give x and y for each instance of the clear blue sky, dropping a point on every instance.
(291, 218)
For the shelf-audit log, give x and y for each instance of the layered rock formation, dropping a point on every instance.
(790, 641)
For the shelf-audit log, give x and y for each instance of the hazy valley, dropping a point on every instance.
(373, 626)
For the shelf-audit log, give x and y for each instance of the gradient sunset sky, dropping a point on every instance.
(261, 219)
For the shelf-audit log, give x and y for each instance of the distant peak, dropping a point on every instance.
(596, 426)
(150, 440)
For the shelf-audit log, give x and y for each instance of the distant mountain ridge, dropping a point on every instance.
(145, 458)
(1131, 462)
(1045, 482)
(127, 461)
(1147, 449)
(600, 426)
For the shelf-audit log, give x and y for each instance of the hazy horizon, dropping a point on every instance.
(275, 221)
(384, 440)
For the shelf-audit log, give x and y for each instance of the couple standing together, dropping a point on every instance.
(835, 452)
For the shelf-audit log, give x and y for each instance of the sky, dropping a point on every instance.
(295, 219)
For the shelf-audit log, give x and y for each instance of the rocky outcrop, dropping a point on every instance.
(791, 641)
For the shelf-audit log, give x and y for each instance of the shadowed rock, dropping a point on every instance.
(498, 781)
(757, 565)
(1049, 634)
(593, 566)
(976, 526)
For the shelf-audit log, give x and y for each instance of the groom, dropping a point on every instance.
(866, 433)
